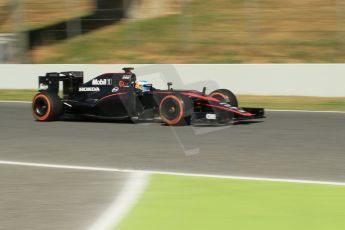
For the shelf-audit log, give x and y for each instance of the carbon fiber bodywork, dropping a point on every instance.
(114, 95)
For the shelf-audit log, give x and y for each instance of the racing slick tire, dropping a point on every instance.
(224, 95)
(224, 117)
(46, 107)
(176, 110)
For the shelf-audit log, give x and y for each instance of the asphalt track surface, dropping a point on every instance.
(42, 198)
(290, 145)
(284, 145)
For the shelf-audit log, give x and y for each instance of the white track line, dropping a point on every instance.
(270, 110)
(75, 167)
(121, 206)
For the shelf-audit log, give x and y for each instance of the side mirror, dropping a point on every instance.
(169, 85)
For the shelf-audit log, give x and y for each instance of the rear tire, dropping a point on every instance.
(224, 95)
(176, 110)
(46, 107)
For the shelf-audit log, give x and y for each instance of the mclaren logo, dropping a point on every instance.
(89, 89)
(102, 82)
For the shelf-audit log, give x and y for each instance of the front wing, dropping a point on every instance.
(243, 113)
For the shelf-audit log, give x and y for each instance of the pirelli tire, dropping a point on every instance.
(224, 95)
(47, 107)
(176, 110)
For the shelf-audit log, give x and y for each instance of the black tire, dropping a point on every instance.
(224, 117)
(47, 107)
(176, 110)
(224, 95)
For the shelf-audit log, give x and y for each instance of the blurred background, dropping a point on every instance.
(172, 31)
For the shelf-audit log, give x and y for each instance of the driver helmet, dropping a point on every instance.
(143, 85)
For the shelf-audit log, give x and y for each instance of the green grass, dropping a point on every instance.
(224, 31)
(269, 102)
(172, 202)
(17, 95)
(293, 102)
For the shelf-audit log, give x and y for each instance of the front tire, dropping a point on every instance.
(46, 107)
(176, 110)
(224, 95)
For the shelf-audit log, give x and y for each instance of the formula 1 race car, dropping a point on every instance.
(121, 96)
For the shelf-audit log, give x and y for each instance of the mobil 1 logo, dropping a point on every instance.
(105, 81)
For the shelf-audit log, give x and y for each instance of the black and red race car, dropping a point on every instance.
(117, 96)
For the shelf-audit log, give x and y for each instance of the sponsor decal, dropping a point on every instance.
(102, 81)
(126, 77)
(89, 89)
(115, 89)
(227, 105)
(211, 116)
(43, 86)
(68, 104)
(232, 107)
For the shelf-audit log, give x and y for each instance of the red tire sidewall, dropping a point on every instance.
(46, 116)
(220, 94)
(180, 116)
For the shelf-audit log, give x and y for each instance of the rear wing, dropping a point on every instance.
(71, 81)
